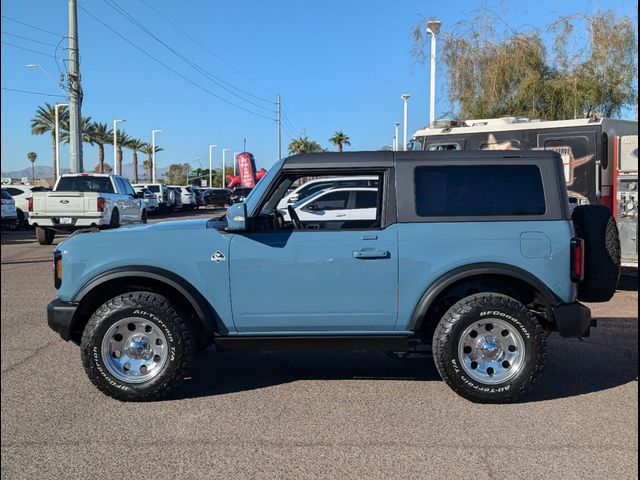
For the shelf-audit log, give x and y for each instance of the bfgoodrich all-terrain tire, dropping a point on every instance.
(137, 347)
(489, 348)
(598, 228)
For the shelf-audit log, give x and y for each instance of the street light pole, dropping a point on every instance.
(433, 28)
(115, 145)
(405, 97)
(56, 161)
(395, 143)
(224, 166)
(153, 155)
(211, 147)
(235, 161)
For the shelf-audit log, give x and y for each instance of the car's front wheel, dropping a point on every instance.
(489, 348)
(137, 347)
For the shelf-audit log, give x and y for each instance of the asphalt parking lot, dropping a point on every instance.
(290, 415)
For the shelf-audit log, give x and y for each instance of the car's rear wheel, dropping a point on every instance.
(489, 348)
(45, 236)
(114, 222)
(137, 346)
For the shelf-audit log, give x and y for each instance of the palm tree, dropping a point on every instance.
(339, 139)
(123, 139)
(32, 158)
(87, 132)
(134, 145)
(44, 121)
(101, 136)
(147, 149)
(304, 145)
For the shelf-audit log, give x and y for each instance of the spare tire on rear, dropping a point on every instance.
(596, 225)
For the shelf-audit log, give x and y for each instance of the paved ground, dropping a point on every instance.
(309, 415)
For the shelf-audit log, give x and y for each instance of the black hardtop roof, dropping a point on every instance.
(329, 160)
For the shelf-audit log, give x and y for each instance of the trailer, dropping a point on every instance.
(600, 157)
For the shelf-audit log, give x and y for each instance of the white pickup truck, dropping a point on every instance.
(84, 200)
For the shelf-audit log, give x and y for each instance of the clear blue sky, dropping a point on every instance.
(337, 64)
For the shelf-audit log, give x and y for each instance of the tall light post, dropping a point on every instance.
(224, 165)
(115, 144)
(211, 147)
(56, 161)
(153, 155)
(235, 161)
(433, 28)
(405, 97)
(395, 143)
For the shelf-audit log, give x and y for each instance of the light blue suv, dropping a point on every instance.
(472, 256)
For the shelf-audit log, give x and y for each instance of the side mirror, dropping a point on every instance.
(237, 217)
(293, 199)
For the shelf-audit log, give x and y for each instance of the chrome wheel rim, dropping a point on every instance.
(491, 351)
(134, 350)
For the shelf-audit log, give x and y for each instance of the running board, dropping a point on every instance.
(314, 342)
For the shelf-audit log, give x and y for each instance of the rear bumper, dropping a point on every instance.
(76, 222)
(60, 317)
(572, 319)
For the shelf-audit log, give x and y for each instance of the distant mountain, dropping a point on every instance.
(47, 172)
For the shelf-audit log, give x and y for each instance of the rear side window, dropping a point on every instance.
(333, 201)
(479, 191)
(154, 188)
(86, 183)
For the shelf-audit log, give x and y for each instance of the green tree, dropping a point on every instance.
(339, 139)
(44, 121)
(303, 144)
(493, 71)
(32, 158)
(134, 145)
(122, 139)
(87, 132)
(177, 174)
(101, 135)
(147, 149)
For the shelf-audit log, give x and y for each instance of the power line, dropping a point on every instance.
(204, 47)
(32, 26)
(33, 93)
(28, 39)
(184, 77)
(27, 49)
(217, 80)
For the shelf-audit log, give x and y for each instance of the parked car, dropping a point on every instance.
(239, 194)
(337, 205)
(200, 202)
(160, 190)
(20, 194)
(473, 256)
(218, 196)
(84, 200)
(174, 200)
(9, 213)
(150, 199)
(316, 185)
(187, 196)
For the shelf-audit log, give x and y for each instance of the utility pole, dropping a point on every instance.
(75, 93)
(279, 128)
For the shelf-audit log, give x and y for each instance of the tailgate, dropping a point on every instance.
(66, 204)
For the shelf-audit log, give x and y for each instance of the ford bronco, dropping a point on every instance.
(473, 257)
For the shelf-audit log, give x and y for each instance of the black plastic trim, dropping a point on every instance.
(314, 343)
(60, 317)
(467, 271)
(205, 312)
(572, 319)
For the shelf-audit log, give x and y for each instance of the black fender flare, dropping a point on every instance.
(473, 270)
(204, 310)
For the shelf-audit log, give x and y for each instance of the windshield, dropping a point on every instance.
(254, 196)
(85, 183)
